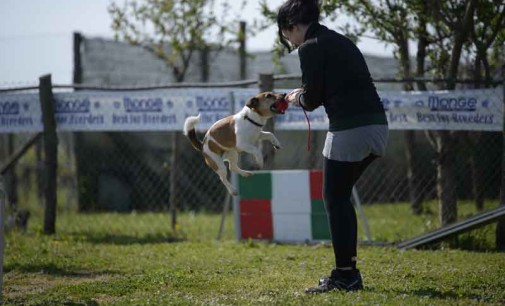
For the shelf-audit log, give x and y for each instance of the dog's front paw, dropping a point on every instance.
(276, 144)
(246, 174)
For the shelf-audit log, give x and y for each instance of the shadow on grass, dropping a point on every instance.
(119, 239)
(465, 243)
(85, 302)
(52, 269)
(433, 294)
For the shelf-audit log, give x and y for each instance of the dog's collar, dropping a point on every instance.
(252, 121)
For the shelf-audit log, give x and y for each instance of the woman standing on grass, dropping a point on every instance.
(335, 75)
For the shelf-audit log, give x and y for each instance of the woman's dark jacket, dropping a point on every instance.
(335, 74)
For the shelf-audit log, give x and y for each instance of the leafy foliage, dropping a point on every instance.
(174, 29)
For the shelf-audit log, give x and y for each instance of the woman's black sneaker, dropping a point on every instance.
(351, 281)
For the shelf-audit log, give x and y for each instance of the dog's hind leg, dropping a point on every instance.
(217, 164)
(254, 151)
(232, 158)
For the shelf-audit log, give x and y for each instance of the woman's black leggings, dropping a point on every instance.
(338, 181)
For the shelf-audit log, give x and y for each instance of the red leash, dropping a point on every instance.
(308, 132)
(285, 106)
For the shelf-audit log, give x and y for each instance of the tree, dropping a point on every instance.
(489, 24)
(174, 30)
(394, 22)
(398, 22)
(441, 29)
(452, 23)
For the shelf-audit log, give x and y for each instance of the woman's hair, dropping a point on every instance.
(294, 12)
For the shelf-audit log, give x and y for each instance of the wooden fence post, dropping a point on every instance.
(77, 58)
(50, 152)
(266, 83)
(242, 50)
(204, 62)
(11, 177)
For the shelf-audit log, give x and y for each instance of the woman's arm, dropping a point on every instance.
(312, 66)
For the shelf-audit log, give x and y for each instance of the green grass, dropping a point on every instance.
(126, 259)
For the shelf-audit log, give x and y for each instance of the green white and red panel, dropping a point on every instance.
(281, 205)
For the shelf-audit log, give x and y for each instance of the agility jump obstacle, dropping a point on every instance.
(454, 229)
(279, 206)
(283, 206)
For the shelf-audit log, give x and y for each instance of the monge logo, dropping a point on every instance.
(212, 103)
(73, 106)
(9, 108)
(132, 105)
(452, 104)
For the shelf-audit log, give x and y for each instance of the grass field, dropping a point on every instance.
(134, 259)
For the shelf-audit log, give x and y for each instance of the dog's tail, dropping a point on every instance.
(189, 131)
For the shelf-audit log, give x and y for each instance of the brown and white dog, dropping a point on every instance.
(237, 133)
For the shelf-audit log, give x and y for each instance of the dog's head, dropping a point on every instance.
(267, 104)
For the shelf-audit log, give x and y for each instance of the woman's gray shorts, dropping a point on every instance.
(356, 144)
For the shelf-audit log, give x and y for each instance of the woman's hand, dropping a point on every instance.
(294, 96)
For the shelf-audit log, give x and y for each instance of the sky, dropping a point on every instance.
(36, 36)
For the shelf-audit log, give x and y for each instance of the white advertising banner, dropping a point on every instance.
(473, 110)
(20, 113)
(157, 110)
(165, 110)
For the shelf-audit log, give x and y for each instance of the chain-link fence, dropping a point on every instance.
(134, 171)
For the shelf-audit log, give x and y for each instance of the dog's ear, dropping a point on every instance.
(253, 102)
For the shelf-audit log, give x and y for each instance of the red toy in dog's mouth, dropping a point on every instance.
(280, 106)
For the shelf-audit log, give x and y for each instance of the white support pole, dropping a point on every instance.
(357, 203)
(236, 207)
(226, 208)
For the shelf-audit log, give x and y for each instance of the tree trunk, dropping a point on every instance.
(477, 170)
(500, 227)
(416, 193)
(413, 177)
(446, 182)
(476, 142)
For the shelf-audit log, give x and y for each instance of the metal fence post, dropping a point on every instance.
(357, 204)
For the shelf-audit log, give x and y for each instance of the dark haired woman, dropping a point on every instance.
(335, 75)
